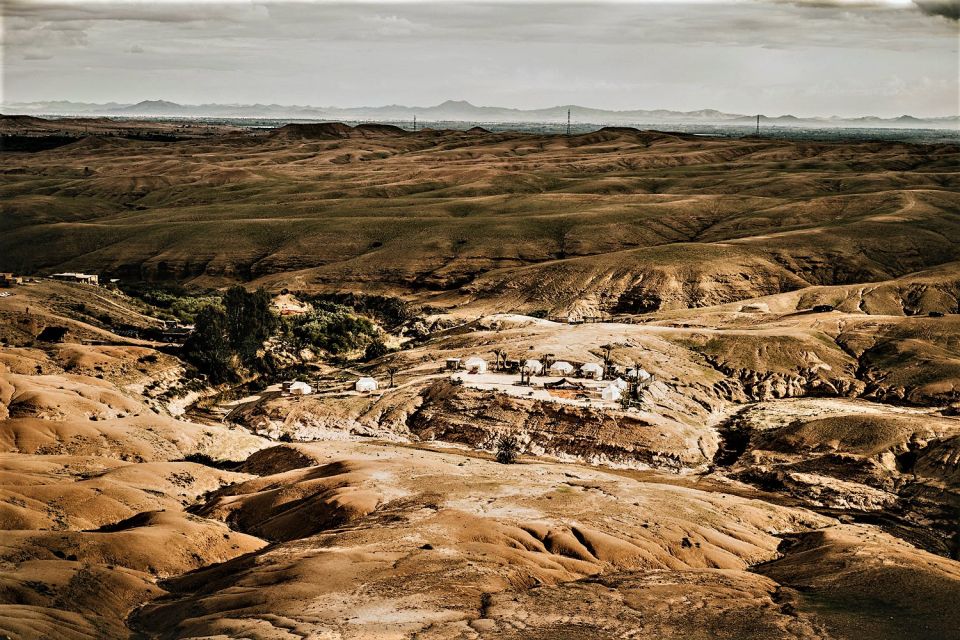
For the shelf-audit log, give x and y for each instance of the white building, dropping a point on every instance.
(620, 383)
(592, 370)
(475, 365)
(533, 367)
(71, 276)
(366, 385)
(561, 368)
(611, 393)
(299, 388)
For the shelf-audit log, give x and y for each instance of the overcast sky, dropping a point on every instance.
(817, 57)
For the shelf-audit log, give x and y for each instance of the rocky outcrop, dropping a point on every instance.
(479, 418)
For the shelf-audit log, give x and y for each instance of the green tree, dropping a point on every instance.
(250, 320)
(208, 347)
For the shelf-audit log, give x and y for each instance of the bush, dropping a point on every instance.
(508, 450)
(333, 328)
(388, 311)
(171, 302)
(375, 349)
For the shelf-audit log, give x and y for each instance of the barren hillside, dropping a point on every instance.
(618, 220)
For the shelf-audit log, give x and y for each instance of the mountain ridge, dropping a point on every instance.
(455, 110)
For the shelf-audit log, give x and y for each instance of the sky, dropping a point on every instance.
(804, 57)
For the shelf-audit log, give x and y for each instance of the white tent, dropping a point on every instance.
(475, 365)
(561, 368)
(611, 393)
(300, 389)
(592, 370)
(366, 385)
(620, 383)
(640, 373)
(533, 367)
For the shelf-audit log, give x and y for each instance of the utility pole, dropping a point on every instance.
(568, 123)
(415, 122)
(758, 125)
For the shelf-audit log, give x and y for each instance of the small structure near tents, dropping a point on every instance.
(299, 388)
(453, 364)
(592, 370)
(10, 280)
(83, 278)
(611, 393)
(564, 384)
(366, 385)
(532, 367)
(561, 368)
(475, 365)
(639, 374)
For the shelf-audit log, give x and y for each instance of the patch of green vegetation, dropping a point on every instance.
(232, 335)
(333, 328)
(388, 311)
(171, 302)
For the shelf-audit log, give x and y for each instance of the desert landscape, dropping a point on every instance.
(616, 384)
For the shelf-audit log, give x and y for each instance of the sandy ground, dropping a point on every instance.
(738, 504)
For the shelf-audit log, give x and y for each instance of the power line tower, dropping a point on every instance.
(414, 122)
(568, 123)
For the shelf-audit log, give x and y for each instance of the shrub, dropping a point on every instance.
(333, 328)
(508, 450)
(388, 311)
(171, 302)
(375, 349)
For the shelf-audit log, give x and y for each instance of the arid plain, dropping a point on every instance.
(790, 470)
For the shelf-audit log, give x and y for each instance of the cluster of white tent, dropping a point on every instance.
(612, 392)
(535, 367)
(300, 388)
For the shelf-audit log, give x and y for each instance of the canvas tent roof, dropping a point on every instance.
(366, 384)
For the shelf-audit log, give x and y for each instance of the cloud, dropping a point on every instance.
(167, 11)
(949, 9)
(685, 54)
(391, 25)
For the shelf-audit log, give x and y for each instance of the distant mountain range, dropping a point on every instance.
(457, 111)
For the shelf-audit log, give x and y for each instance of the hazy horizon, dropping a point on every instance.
(814, 59)
(427, 107)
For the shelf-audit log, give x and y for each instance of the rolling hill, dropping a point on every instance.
(619, 220)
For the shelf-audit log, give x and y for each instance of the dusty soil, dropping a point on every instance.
(761, 491)
(789, 473)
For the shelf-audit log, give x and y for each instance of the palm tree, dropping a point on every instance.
(499, 354)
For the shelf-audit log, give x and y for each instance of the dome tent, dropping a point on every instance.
(366, 385)
(475, 365)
